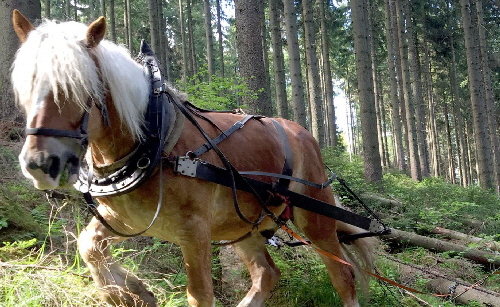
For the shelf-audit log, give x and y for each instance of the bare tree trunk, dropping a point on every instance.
(459, 122)
(103, 7)
(313, 81)
(490, 100)
(278, 60)
(451, 159)
(8, 46)
(112, 20)
(47, 9)
(418, 100)
(210, 39)
(221, 43)
(154, 29)
(129, 27)
(298, 106)
(372, 163)
(250, 55)
(479, 256)
(409, 117)
(376, 89)
(165, 61)
(327, 73)
(185, 65)
(68, 9)
(399, 160)
(476, 88)
(192, 51)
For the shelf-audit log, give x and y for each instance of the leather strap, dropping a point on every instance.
(207, 146)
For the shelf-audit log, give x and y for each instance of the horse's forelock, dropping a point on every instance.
(55, 58)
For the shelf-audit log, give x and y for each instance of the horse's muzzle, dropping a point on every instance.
(50, 169)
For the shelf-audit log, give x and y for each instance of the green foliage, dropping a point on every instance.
(304, 280)
(218, 94)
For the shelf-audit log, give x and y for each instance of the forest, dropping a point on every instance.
(416, 82)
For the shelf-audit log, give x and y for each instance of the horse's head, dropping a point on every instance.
(57, 109)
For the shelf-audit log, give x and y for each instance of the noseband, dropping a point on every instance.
(81, 135)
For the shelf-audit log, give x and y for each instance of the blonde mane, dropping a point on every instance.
(55, 58)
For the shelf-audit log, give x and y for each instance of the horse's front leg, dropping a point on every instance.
(116, 285)
(197, 252)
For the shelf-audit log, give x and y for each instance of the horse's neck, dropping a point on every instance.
(112, 142)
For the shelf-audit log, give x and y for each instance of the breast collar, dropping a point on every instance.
(163, 124)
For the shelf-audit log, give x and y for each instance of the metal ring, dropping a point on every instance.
(143, 163)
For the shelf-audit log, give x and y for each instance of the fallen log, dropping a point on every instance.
(383, 201)
(455, 235)
(479, 256)
(442, 285)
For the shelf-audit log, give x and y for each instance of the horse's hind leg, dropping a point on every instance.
(321, 231)
(116, 285)
(263, 271)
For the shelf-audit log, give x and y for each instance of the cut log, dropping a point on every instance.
(442, 286)
(479, 256)
(455, 235)
(383, 201)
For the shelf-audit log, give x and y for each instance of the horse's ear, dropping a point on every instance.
(22, 26)
(96, 32)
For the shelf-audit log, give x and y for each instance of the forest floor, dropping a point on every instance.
(40, 266)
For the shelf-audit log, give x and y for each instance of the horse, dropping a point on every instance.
(67, 74)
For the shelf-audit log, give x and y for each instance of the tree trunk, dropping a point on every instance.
(399, 161)
(490, 100)
(10, 43)
(313, 81)
(371, 155)
(459, 121)
(278, 60)
(250, 55)
(103, 7)
(154, 29)
(433, 140)
(476, 89)
(164, 46)
(443, 286)
(455, 235)
(327, 76)
(112, 20)
(298, 105)
(265, 54)
(451, 159)
(221, 45)
(47, 9)
(479, 256)
(185, 67)
(416, 84)
(409, 115)
(128, 27)
(68, 9)
(210, 39)
(192, 49)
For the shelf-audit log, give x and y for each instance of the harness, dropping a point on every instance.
(163, 118)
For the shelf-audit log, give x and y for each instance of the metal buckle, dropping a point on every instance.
(186, 166)
(377, 227)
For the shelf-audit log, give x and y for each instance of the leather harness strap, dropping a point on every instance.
(207, 146)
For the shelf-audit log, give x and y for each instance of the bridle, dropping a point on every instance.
(81, 135)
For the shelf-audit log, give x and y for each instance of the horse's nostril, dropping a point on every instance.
(53, 166)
